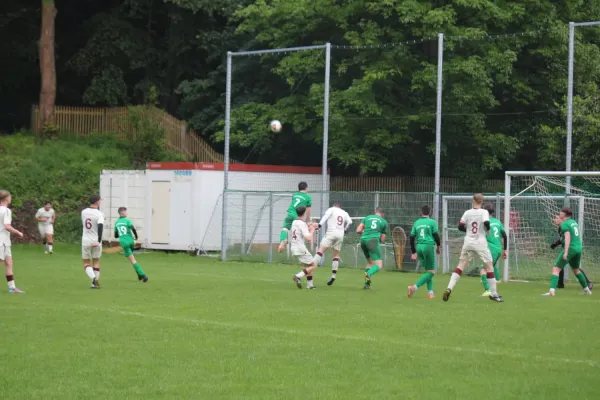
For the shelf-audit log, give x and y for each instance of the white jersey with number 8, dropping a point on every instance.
(474, 220)
(91, 217)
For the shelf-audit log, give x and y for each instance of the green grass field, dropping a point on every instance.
(201, 329)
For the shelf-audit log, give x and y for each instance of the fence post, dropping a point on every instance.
(270, 227)
(183, 131)
(243, 224)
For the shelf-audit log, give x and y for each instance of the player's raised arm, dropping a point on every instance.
(325, 217)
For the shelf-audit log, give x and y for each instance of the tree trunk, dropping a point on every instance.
(47, 65)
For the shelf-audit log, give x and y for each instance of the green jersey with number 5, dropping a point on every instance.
(572, 227)
(123, 228)
(299, 199)
(375, 226)
(493, 238)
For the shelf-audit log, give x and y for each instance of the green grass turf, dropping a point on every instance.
(201, 329)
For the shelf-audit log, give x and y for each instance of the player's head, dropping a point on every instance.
(122, 211)
(379, 211)
(302, 186)
(565, 213)
(425, 210)
(300, 211)
(490, 208)
(477, 199)
(5, 197)
(47, 205)
(557, 219)
(94, 201)
(336, 204)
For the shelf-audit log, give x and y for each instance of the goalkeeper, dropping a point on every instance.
(559, 242)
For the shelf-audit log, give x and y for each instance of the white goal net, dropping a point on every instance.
(533, 199)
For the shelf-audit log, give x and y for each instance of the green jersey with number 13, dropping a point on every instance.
(299, 199)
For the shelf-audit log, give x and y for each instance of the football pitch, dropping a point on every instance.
(202, 329)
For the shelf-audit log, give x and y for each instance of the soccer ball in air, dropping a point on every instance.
(275, 126)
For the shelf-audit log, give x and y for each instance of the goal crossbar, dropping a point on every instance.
(552, 173)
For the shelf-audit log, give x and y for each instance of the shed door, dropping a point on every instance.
(161, 212)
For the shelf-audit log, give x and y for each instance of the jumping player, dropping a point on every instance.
(91, 240)
(338, 222)
(299, 199)
(425, 233)
(496, 249)
(571, 253)
(300, 234)
(373, 230)
(45, 217)
(125, 232)
(5, 244)
(476, 223)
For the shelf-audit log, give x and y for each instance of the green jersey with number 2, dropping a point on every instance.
(299, 199)
(572, 227)
(375, 226)
(493, 238)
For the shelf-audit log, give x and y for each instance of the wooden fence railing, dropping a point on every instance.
(86, 121)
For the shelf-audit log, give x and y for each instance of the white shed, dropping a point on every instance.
(177, 205)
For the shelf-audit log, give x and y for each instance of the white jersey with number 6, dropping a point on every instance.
(474, 220)
(91, 217)
(337, 221)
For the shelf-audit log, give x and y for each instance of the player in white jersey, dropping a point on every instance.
(338, 222)
(300, 233)
(45, 217)
(5, 244)
(476, 223)
(91, 240)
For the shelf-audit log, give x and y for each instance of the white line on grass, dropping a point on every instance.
(345, 337)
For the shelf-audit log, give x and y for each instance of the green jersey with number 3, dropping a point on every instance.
(299, 199)
(123, 228)
(493, 238)
(375, 226)
(423, 229)
(572, 227)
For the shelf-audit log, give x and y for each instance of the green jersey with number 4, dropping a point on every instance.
(375, 226)
(123, 228)
(493, 238)
(423, 229)
(299, 199)
(572, 227)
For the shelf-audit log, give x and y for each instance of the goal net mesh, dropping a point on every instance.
(534, 202)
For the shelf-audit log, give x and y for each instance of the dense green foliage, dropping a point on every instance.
(65, 171)
(503, 102)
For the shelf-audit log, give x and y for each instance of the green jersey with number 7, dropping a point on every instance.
(299, 199)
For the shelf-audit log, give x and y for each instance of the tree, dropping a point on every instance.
(47, 65)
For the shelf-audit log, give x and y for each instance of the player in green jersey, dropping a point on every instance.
(571, 253)
(373, 230)
(425, 233)
(299, 199)
(497, 249)
(125, 232)
(559, 242)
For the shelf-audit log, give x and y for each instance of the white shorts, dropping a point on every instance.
(304, 256)
(5, 251)
(332, 242)
(467, 253)
(46, 230)
(90, 252)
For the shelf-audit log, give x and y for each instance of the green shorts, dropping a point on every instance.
(289, 219)
(128, 246)
(574, 259)
(426, 256)
(371, 248)
(496, 253)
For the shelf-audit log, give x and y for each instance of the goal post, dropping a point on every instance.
(529, 255)
(543, 194)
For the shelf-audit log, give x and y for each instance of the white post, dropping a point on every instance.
(438, 129)
(507, 179)
(325, 126)
(570, 104)
(446, 267)
(226, 158)
(580, 217)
